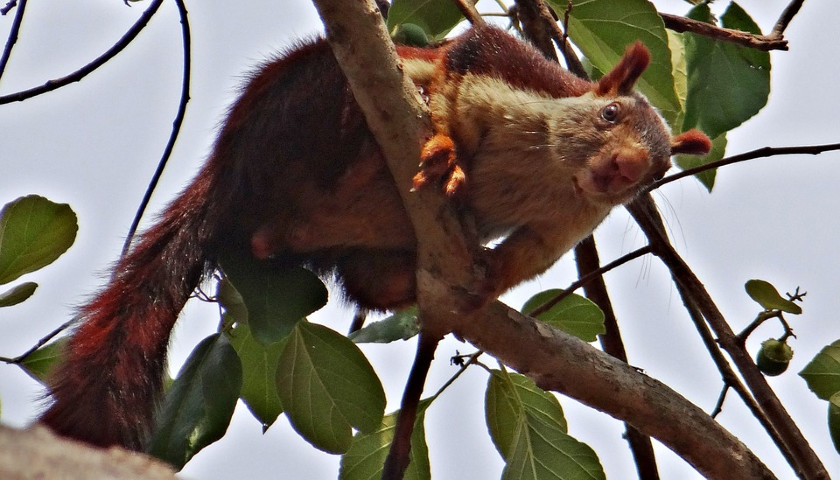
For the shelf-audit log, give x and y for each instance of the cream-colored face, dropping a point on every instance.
(597, 149)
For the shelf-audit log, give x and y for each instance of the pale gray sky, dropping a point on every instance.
(95, 144)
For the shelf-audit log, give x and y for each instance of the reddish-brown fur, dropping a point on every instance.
(296, 175)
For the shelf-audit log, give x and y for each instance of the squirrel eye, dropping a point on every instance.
(610, 112)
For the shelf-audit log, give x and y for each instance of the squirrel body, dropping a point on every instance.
(527, 150)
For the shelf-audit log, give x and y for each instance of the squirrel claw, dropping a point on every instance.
(439, 163)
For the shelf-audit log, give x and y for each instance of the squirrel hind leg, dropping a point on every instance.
(378, 279)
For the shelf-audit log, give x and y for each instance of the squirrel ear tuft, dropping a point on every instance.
(692, 142)
(621, 79)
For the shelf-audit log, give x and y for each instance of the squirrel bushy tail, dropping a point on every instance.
(105, 390)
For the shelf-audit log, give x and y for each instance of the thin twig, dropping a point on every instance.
(13, 36)
(804, 461)
(730, 379)
(534, 28)
(586, 278)
(719, 404)
(759, 319)
(8, 7)
(765, 43)
(757, 153)
(473, 359)
(469, 12)
(57, 83)
(176, 126)
(785, 18)
(399, 454)
(561, 37)
(64, 326)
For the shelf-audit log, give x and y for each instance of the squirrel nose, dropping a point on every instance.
(631, 163)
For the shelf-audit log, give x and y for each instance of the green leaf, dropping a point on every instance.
(198, 406)
(231, 300)
(574, 314)
(768, 297)
(401, 325)
(727, 83)
(507, 397)
(834, 420)
(33, 233)
(17, 294)
(707, 177)
(366, 455)
(259, 367)
(434, 17)
(603, 29)
(679, 69)
(327, 386)
(277, 298)
(42, 362)
(528, 428)
(822, 374)
(259, 360)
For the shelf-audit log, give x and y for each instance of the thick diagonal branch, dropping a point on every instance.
(807, 465)
(555, 360)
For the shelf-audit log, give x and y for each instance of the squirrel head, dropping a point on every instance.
(640, 144)
(622, 79)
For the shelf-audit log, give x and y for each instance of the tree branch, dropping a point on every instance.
(176, 125)
(401, 125)
(123, 42)
(586, 257)
(785, 18)
(13, 36)
(467, 8)
(562, 363)
(757, 153)
(730, 379)
(583, 280)
(8, 7)
(444, 260)
(681, 24)
(807, 464)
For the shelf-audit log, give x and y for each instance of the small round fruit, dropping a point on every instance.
(411, 34)
(774, 357)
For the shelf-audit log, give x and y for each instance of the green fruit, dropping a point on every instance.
(411, 34)
(774, 357)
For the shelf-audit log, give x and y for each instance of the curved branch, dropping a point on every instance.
(123, 42)
(176, 126)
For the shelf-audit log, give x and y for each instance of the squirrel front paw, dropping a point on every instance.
(439, 162)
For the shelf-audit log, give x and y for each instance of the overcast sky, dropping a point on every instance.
(95, 144)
